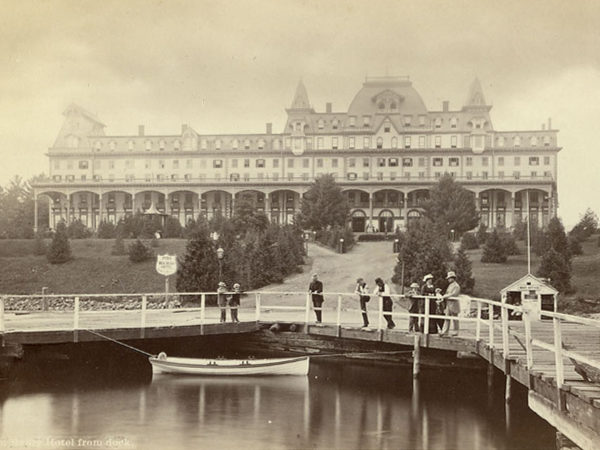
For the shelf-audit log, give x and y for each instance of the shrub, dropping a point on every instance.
(469, 241)
(77, 230)
(510, 244)
(555, 266)
(106, 230)
(331, 237)
(464, 274)
(173, 228)
(138, 252)
(376, 237)
(494, 250)
(60, 250)
(482, 234)
(575, 246)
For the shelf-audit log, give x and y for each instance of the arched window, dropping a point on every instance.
(379, 142)
(394, 142)
(438, 122)
(247, 144)
(393, 106)
(321, 124)
(218, 144)
(381, 105)
(517, 141)
(453, 122)
(533, 141)
(177, 144)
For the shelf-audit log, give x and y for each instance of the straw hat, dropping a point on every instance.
(414, 285)
(451, 274)
(428, 277)
(222, 284)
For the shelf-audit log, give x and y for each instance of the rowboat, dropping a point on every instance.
(229, 367)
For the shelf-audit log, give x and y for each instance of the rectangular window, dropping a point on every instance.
(516, 174)
(380, 162)
(453, 140)
(260, 163)
(421, 174)
(386, 128)
(365, 162)
(246, 163)
(83, 164)
(365, 175)
(351, 142)
(406, 141)
(407, 120)
(305, 163)
(320, 143)
(366, 121)
(352, 121)
(533, 174)
(484, 161)
(438, 142)
(351, 162)
(188, 163)
(421, 141)
(421, 121)
(469, 161)
(217, 163)
(319, 162)
(534, 161)
(484, 175)
(453, 162)
(334, 163)
(379, 176)
(517, 160)
(438, 162)
(501, 160)
(334, 143)
(393, 162)
(392, 176)
(469, 175)
(407, 162)
(546, 160)
(366, 142)
(290, 163)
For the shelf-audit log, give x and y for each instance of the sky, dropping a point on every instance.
(232, 66)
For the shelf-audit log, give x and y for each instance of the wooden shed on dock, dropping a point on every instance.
(533, 293)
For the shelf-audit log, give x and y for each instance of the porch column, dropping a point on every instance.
(493, 208)
(268, 206)
(510, 211)
(371, 209)
(99, 209)
(232, 203)
(35, 212)
(68, 208)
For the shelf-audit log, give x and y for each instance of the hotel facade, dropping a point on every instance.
(386, 151)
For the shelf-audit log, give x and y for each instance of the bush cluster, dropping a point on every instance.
(331, 237)
(469, 241)
(139, 252)
(369, 237)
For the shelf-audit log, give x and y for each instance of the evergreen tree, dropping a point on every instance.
(60, 250)
(198, 269)
(451, 206)
(510, 244)
(482, 234)
(138, 252)
(106, 230)
(469, 241)
(556, 238)
(494, 250)
(422, 251)
(173, 228)
(587, 225)
(323, 205)
(464, 273)
(575, 247)
(557, 269)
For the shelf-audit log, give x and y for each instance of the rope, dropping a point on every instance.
(119, 342)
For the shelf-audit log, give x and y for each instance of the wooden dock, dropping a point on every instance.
(538, 354)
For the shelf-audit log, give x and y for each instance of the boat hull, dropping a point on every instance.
(230, 367)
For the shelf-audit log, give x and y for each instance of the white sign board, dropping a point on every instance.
(166, 264)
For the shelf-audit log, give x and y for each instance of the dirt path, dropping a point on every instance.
(339, 272)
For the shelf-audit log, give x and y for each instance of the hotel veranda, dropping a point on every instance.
(385, 151)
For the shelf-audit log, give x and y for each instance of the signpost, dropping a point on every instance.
(166, 265)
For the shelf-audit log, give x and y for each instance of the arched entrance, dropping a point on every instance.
(414, 216)
(386, 221)
(358, 221)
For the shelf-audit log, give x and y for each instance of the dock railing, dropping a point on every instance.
(340, 309)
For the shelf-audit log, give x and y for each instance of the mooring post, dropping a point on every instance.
(426, 321)
(76, 320)
(558, 361)
(380, 314)
(306, 312)
(491, 324)
(339, 316)
(478, 323)
(2, 328)
(417, 356)
(528, 339)
(257, 305)
(507, 390)
(143, 323)
(504, 332)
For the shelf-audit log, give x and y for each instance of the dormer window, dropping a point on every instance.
(148, 146)
(501, 141)
(546, 141)
(366, 121)
(387, 127)
(352, 121)
(247, 144)
(161, 145)
(453, 122)
(235, 144)
(438, 122)
(335, 124)
(298, 126)
(381, 106)
(261, 144)
(393, 106)
(131, 146)
(533, 141)
(177, 144)
(517, 141)
(421, 121)
(97, 146)
(321, 124)
(407, 121)
(218, 144)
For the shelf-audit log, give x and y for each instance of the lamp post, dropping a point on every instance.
(220, 252)
(452, 234)
(341, 245)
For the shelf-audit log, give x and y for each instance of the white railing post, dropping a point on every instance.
(528, 339)
(504, 331)
(478, 323)
(427, 319)
(380, 315)
(560, 375)
(202, 309)
(2, 306)
(144, 306)
(491, 324)
(76, 314)
(257, 306)
(307, 310)
(339, 315)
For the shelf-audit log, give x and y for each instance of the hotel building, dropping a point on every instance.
(386, 151)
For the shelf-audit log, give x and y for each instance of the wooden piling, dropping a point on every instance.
(417, 357)
(508, 391)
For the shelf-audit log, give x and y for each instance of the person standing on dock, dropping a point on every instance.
(234, 302)
(383, 290)
(452, 304)
(222, 300)
(416, 307)
(428, 290)
(363, 296)
(315, 288)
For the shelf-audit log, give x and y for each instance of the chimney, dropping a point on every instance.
(269, 127)
(549, 123)
(183, 128)
(445, 105)
(543, 126)
(328, 107)
(140, 130)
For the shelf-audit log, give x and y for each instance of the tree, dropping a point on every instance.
(494, 250)
(324, 205)
(464, 273)
(482, 234)
(173, 228)
(198, 269)
(77, 230)
(60, 250)
(245, 217)
(469, 241)
(556, 238)
(17, 206)
(138, 252)
(556, 267)
(451, 206)
(106, 230)
(423, 250)
(587, 225)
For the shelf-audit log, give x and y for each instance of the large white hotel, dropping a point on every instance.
(385, 151)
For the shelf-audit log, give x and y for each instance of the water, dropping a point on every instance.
(57, 404)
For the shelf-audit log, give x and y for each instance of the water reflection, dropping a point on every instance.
(339, 405)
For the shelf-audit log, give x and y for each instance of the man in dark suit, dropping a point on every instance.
(316, 290)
